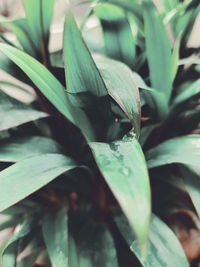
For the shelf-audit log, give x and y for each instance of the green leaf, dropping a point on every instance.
(29, 175)
(121, 85)
(119, 41)
(39, 21)
(21, 30)
(185, 150)
(82, 74)
(10, 249)
(129, 6)
(187, 93)
(8, 222)
(85, 85)
(158, 55)
(90, 243)
(49, 86)
(55, 232)
(163, 244)
(35, 248)
(9, 67)
(13, 113)
(191, 177)
(16, 149)
(123, 166)
(175, 58)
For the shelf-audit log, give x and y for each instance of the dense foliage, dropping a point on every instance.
(102, 168)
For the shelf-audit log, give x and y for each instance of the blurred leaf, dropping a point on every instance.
(145, 133)
(10, 249)
(189, 61)
(123, 166)
(119, 41)
(15, 149)
(49, 86)
(175, 57)
(39, 21)
(163, 244)
(121, 85)
(129, 6)
(185, 149)
(35, 248)
(29, 175)
(9, 67)
(20, 28)
(9, 222)
(170, 4)
(13, 113)
(187, 93)
(90, 243)
(55, 234)
(191, 177)
(158, 55)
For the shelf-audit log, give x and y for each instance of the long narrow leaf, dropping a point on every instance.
(49, 86)
(124, 169)
(158, 54)
(29, 175)
(185, 150)
(15, 149)
(55, 232)
(119, 41)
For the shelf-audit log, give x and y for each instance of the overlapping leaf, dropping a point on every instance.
(49, 86)
(13, 113)
(29, 175)
(118, 38)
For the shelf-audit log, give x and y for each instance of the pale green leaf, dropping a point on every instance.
(185, 150)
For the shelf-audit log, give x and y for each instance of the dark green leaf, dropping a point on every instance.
(119, 41)
(82, 74)
(121, 85)
(90, 243)
(55, 232)
(49, 86)
(124, 169)
(9, 251)
(163, 244)
(187, 93)
(191, 177)
(158, 55)
(29, 175)
(185, 150)
(15, 149)
(13, 113)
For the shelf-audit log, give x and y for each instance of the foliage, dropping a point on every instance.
(93, 170)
